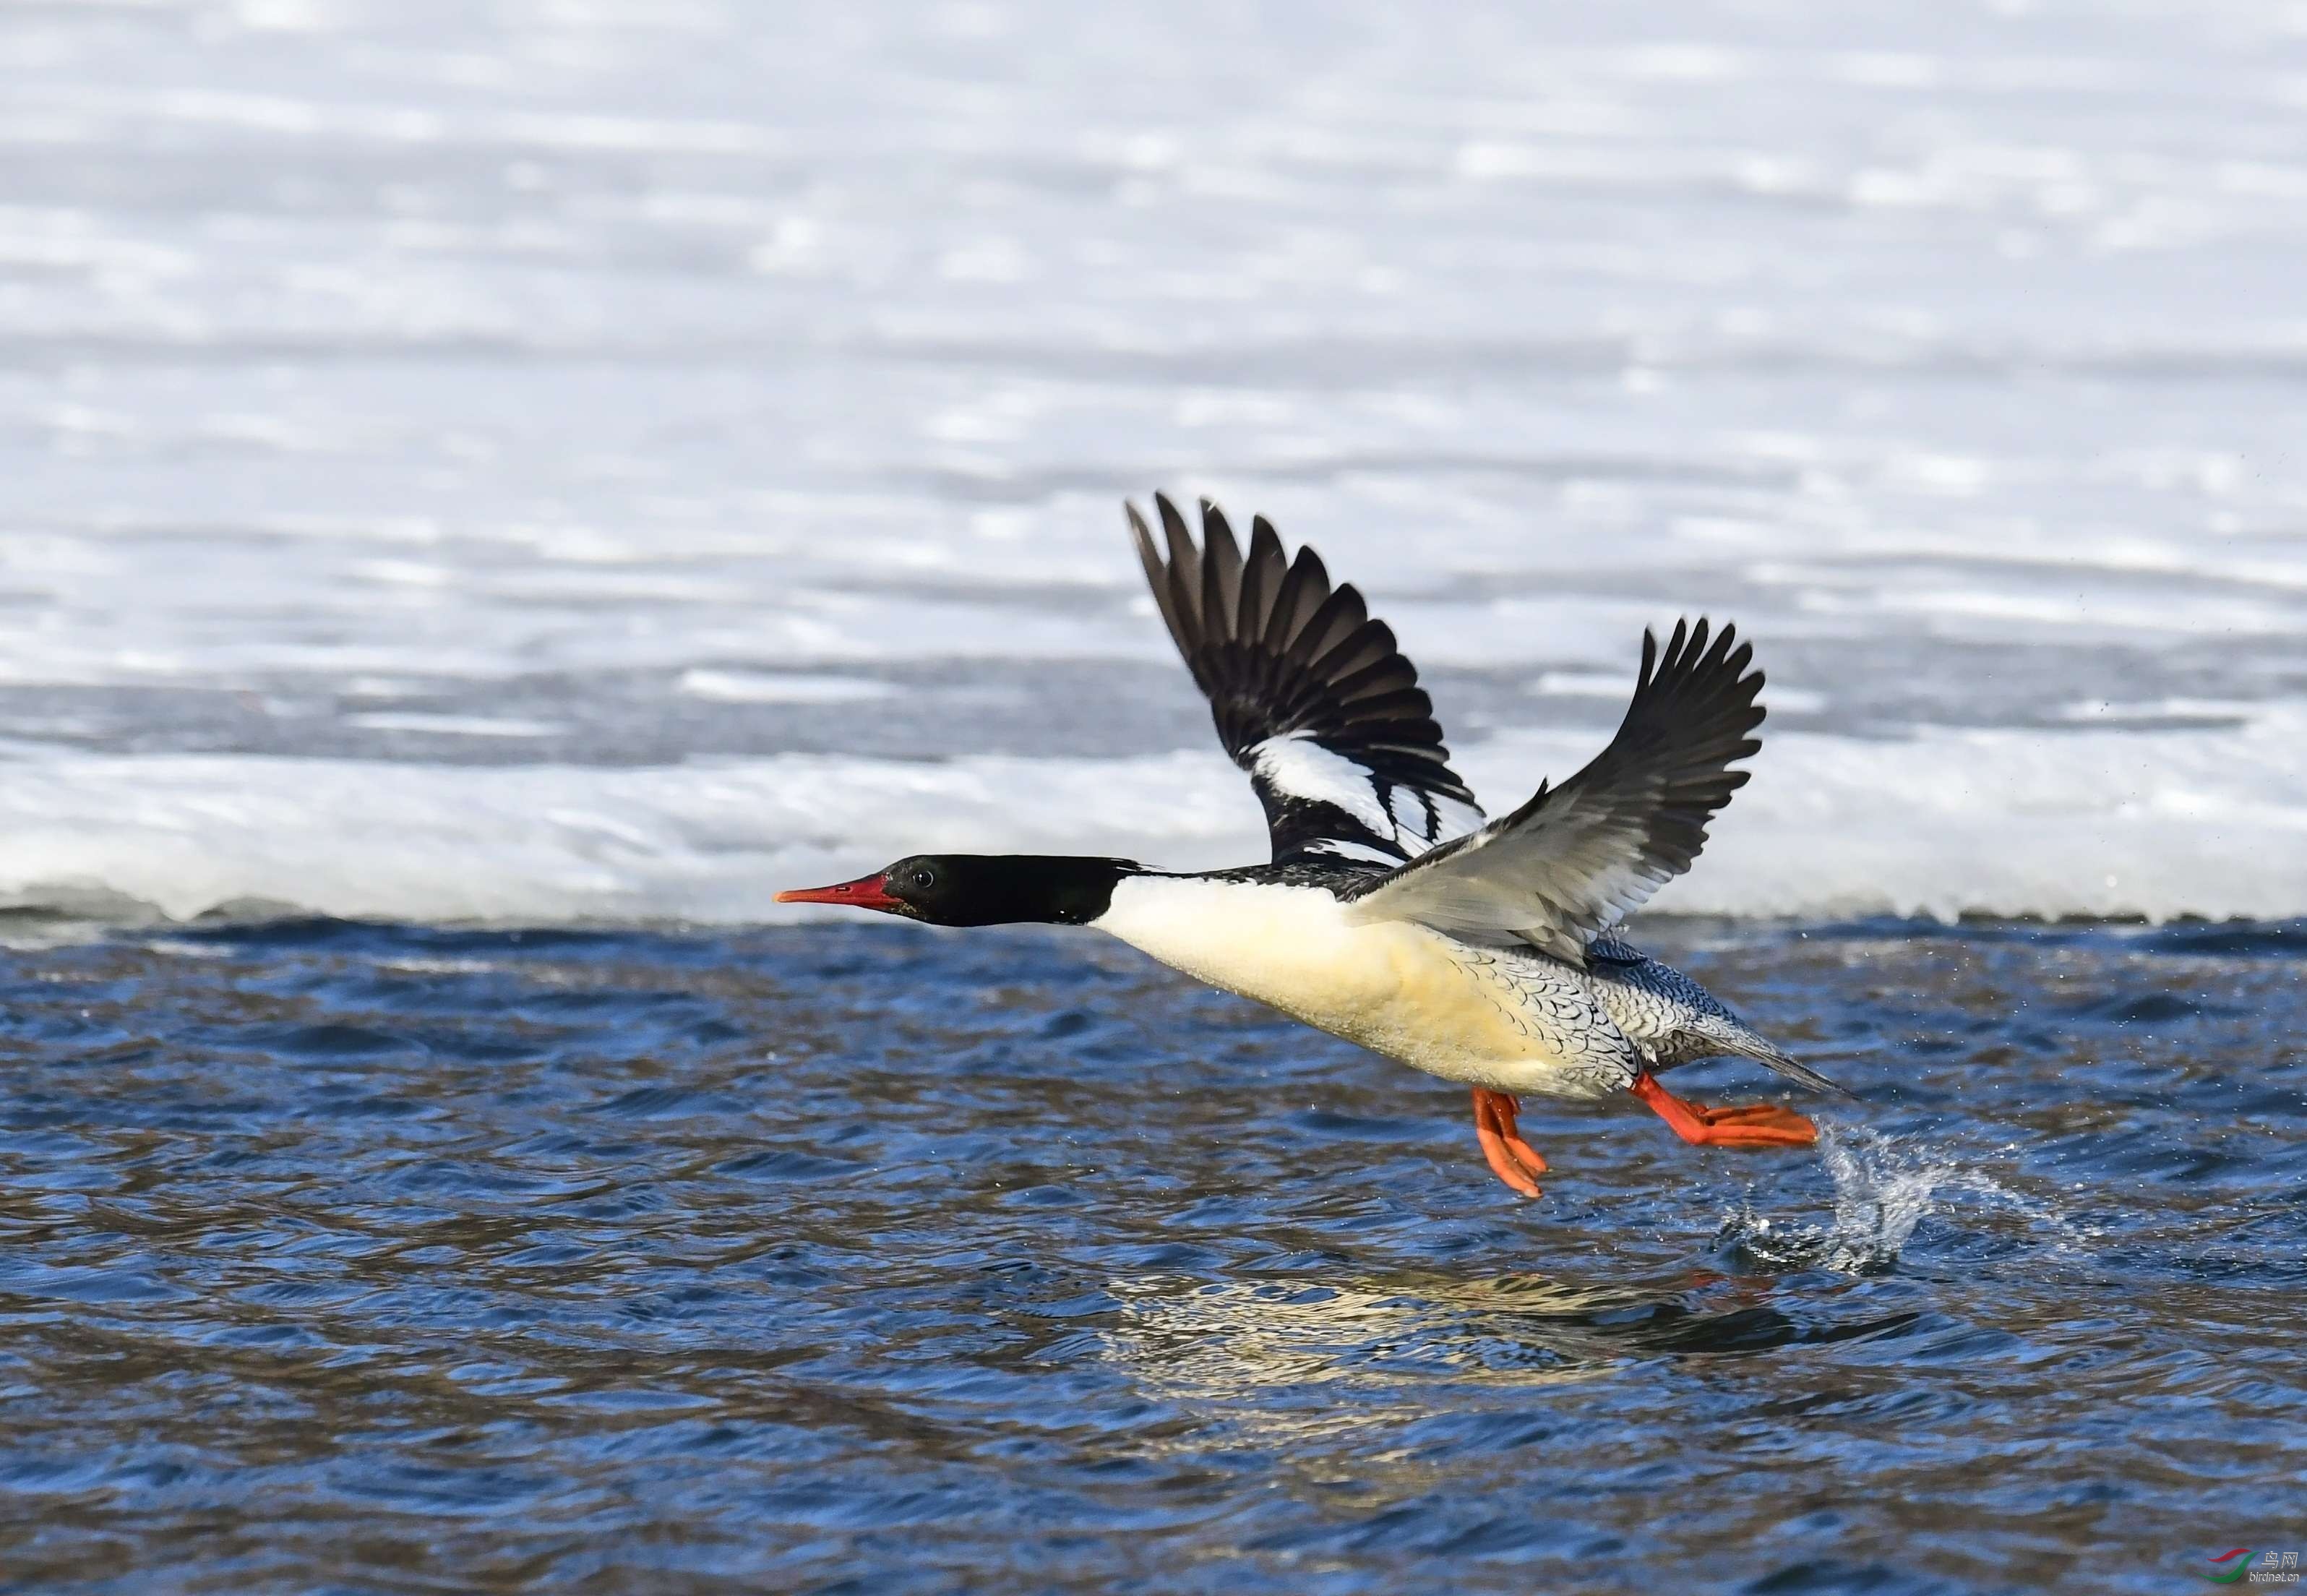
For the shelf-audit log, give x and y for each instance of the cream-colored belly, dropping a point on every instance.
(1396, 988)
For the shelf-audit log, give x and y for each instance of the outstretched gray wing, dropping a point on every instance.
(1577, 859)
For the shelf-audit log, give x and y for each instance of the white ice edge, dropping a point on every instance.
(2011, 822)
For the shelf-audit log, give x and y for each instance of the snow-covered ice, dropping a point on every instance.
(610, 458)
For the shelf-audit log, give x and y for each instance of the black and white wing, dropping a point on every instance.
(1577, 859)
(1310, 695)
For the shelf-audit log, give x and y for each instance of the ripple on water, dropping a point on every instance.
(784, 1257)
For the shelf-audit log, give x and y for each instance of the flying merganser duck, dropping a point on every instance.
(1393, 913)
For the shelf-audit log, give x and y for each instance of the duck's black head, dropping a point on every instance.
(981, 889)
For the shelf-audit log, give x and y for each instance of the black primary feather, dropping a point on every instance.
(1283, 657)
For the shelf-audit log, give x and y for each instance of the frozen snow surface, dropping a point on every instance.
(610, 458)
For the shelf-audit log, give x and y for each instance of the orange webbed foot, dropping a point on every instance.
(1511, 1159)
(1758, 1125)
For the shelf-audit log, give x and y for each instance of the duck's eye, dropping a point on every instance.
(924, 877)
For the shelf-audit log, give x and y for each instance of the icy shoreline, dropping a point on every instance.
(2118, 825)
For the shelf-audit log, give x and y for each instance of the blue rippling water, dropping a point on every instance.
(349, 1257)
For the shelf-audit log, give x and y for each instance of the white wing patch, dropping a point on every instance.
(1338, 847)
(1453, 818)
(1406, 812)
(1296, 765)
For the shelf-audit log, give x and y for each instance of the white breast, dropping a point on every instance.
(1287, 946)
(1396, 988)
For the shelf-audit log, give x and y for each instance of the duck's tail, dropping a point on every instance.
(1748, 1044)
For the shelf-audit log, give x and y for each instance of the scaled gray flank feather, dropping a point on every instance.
(1674, 1021)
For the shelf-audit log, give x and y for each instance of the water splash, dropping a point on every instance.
(1885, 1187)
